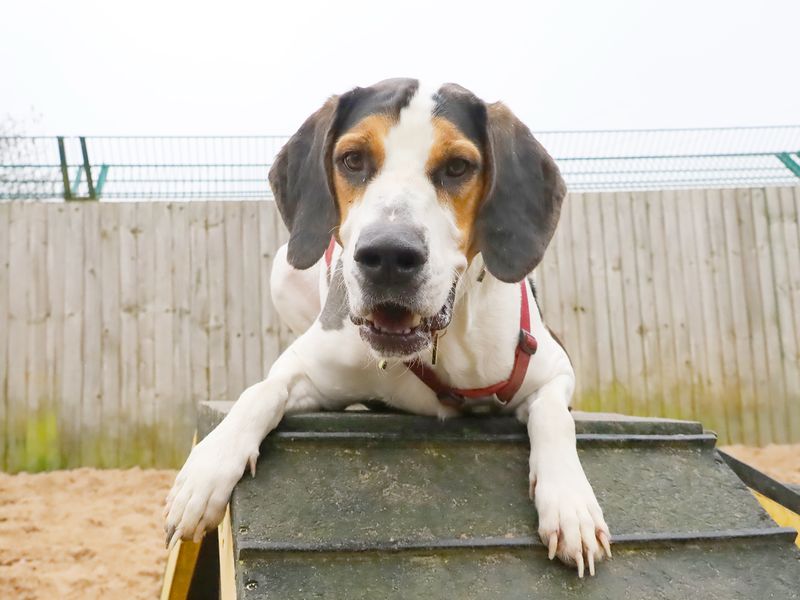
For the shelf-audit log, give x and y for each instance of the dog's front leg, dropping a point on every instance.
(571, 522)
(203, 486)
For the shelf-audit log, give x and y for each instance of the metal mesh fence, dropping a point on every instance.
(236, 167)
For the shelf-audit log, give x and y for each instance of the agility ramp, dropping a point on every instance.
(378, 505)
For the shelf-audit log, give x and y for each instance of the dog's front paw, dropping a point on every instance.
(571, 522)
(203, 487)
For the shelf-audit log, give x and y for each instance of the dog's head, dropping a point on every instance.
(414, 184)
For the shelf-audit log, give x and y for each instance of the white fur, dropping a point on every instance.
(328, 369)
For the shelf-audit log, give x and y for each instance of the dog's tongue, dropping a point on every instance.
(392, 318)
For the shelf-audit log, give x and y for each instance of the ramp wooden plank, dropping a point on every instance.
(723, 571)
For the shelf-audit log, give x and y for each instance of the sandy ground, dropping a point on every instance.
(83, 534)
(781, 462)
(89, 534)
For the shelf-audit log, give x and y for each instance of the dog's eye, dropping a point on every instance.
(456, 167)
(354, 161)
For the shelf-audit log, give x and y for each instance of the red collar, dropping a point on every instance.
(505, 390)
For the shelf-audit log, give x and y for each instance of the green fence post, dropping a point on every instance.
(64, 172)
(87, 167)
(787, 161)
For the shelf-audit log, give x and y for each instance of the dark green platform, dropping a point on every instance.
(375, 505)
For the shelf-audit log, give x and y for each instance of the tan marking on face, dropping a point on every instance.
(449, 143)
(367, 136)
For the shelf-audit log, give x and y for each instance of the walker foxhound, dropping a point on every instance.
(412, 211)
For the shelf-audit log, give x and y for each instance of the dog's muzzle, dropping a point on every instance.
(391, 260)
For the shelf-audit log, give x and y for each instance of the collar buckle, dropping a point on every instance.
(527, 343)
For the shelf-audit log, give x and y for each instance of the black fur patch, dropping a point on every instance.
(388, 97)
(301, 178)
(337, 308)
(520, 211)
(464, 110)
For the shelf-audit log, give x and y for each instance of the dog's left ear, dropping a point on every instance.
(301, 184)
(521, 206)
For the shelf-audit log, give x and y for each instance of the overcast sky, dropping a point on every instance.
(236, 67)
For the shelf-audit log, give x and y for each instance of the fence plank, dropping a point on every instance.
(180, 399)
(684, 296)
(145, 326)
(72, 346)
(791, 247)
(585, 309)
(56, 276)
(739, 326)
(780, 319)
(110, 339)
(199, 302)
(695, 278)
(234, 300)
(606, 269)
(637, 330)
(681, 403)
(218, 377)
(667, 370)
(723, 345)
(17, 337)
(736, 223)
(39, 427)
(91, 401)
(772, 396)
(711, 377)
(600, 302)
(568, 298)
(752, 217)
(270, 323)
(638, 273)
(547, 287)
(165, 405)
(5, 209)
(250, 293)
(129, 336)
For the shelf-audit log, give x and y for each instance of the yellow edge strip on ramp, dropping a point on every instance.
(780, 514)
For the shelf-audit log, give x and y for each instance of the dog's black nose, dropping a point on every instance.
(391, 254)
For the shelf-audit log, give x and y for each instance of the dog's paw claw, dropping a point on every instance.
(170, 533)
(571, 523)
(172, 538)
(552, 545)
(579, 562)
(603, 537)
(252, 462)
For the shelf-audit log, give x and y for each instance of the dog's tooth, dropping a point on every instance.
(406, 331)
(416, 320)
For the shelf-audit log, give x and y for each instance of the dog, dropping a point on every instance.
(412, 211)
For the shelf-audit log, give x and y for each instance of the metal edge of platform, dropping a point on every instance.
(342, 423)
(250, 549)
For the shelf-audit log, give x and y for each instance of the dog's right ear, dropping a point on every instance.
(301, 182)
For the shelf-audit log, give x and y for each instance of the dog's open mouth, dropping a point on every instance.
(396, 330)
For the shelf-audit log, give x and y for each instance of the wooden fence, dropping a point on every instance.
(117, 318)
